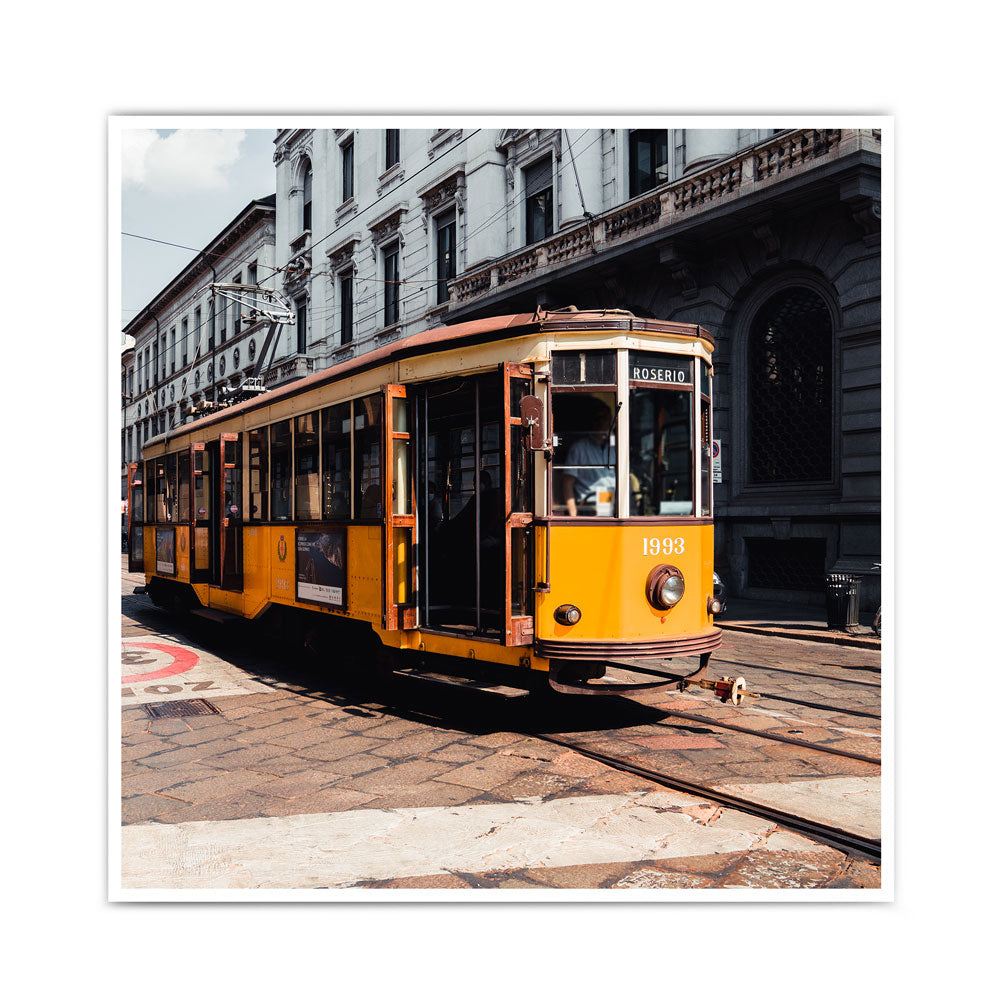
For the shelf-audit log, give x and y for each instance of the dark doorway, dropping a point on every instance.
(461, 493)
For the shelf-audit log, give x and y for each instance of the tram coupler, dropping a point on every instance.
(731, 689)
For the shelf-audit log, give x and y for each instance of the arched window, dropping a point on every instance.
(307, 196)
(789, 385)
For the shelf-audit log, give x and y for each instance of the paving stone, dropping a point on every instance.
(494, 740)
(283, 764)
(411, 746)
(782, 870)
(167, 727)
(295, 785)
(578, 876)
(206, 735)
(395, 779)
(223, 785)
(656, 878)
(346, 767)
(487, 774)
(537, 784)
(426, 794)
(140, 808)
(330, 799)
(677, 742)
(240, 805)
(171, 758)
(338, 747)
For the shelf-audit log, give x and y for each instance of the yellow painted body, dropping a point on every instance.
(602, 569)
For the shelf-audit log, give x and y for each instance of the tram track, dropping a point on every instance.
(821, 706)
(776, 737)
(852, 844)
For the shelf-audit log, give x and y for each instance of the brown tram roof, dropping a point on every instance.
(460, 334)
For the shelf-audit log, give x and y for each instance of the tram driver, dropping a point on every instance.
(588, 483)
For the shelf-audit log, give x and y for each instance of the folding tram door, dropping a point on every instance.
(474, 499)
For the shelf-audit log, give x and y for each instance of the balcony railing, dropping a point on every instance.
(746, 172)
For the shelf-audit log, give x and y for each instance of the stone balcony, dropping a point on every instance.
(288, 370)
(748, 172)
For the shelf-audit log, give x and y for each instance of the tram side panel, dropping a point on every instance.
(603, 571)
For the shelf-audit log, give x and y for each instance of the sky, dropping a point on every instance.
(183, 186)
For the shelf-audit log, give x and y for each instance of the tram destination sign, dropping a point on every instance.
(658, 368)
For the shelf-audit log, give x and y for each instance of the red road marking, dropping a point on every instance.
(184, 659)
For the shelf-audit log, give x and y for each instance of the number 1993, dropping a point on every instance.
(662, 546)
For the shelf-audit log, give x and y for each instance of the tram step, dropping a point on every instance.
(220, 617)
(469, 683)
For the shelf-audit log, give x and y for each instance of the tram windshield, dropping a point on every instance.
(651, 427)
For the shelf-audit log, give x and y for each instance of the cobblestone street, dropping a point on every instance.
(296, 780)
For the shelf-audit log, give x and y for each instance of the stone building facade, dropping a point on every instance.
(186, 345)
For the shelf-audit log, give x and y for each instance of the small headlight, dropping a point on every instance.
(664, 587)
(567, 614)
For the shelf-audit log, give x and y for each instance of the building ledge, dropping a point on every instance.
(748, 173)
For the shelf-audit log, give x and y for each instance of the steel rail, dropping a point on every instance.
(843, 840)
(705, 720)
(762, 694)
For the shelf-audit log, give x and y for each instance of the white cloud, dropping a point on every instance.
(185, 160)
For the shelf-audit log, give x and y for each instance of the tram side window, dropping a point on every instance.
(184, 486)
(281, 471)
(368, 457)
(166, 493)
(337, 462)
(149, 479)
(307, 467)
(258, 474)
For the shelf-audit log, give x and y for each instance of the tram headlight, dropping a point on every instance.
(665, 587)
(567, 614)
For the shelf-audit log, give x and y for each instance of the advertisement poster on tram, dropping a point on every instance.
(165, 551)
(320, 561)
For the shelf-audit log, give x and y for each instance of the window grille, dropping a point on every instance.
(790, 368)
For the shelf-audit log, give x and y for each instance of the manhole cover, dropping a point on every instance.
(177, 709)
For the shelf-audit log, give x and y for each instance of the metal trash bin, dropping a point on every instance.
(843, 601)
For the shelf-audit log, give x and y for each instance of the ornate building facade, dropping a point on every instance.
(186, 344)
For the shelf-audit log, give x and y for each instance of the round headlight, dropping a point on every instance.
(664, 587)
(567, 614)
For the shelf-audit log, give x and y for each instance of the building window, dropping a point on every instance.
(307, 197)
(538, 201)
(145, 369)
(252, 281)
(211, 327)
(130, 382)
(301, 320)
(390, 275)
(647, 160)
(346, 307)
(222, 321)
(173, 349)
(184, 342)
(445, 254)
(163, 355)
(391, 147)
(790, 392)
(347, 164)
(237, 280)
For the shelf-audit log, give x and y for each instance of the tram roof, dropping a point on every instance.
(459, 334)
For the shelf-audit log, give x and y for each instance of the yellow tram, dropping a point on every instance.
(528, 494)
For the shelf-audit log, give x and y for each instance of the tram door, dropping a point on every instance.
(230, 512)
(202, 515)
(469, 539)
